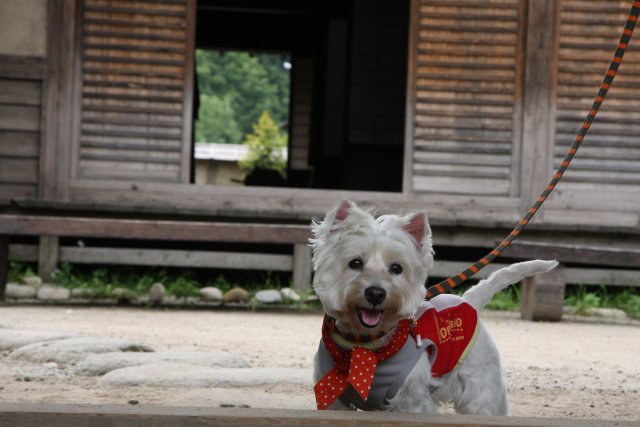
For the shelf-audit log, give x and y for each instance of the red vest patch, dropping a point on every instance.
(451, 323)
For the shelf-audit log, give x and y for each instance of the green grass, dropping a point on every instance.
(100, 282)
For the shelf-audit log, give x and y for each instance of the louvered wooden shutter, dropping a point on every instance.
(136, 90)
(607, 167)
(467, 78)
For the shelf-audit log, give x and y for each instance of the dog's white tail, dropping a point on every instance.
(479, 295)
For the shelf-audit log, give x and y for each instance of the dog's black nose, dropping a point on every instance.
(375, 295)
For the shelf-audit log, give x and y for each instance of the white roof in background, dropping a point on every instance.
(222, 152)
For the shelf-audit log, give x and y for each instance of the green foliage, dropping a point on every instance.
(505, 300)
(235, 88)
(183, 286)
(583, 301)
(217, 122)
(18, 270)
(265, 147)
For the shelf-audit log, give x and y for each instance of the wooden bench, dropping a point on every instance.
(26, 414)
(51, 228)
(543, 295)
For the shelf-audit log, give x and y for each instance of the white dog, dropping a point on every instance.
(383, 346)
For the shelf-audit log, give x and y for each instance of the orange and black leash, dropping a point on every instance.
(450, 283)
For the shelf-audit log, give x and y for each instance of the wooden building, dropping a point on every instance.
(462, 108)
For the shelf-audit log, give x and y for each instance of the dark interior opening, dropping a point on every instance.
(348, 83)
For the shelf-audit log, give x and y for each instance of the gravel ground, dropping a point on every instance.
(580, 368)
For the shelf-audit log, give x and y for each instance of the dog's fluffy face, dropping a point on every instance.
(370, 272)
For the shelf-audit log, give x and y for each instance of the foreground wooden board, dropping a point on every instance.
(23, 415)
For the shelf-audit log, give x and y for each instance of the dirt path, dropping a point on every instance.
(576, 369)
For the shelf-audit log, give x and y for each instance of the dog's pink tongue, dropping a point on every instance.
(370, 317)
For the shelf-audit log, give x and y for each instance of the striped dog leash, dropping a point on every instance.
(450, 283)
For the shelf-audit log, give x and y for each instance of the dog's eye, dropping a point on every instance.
(356, 264)
(395, 268)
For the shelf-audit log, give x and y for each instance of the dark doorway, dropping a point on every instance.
(348, 82)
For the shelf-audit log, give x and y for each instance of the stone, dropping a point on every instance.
(236, 295)
(610, 313)
(53, 293)
(11, 339)
(290, 294)
(269, 296)
(100, 364)
(122, 293)
(184, 375)
(82, 293)
(74, 349)
(156, 293)
(210, 293)
(33, 281)
(17, 291)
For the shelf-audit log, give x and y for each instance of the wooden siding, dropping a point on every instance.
(608, 164)
(134, 91)
(467, 111)
(20, 103)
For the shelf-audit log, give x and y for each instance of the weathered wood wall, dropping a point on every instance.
(20, 126)
(467, 91)
(605, 175)
(136, 71)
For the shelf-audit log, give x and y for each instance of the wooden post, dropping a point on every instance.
(301, 267)
(47, 257)
(4, 264)
(543, 295)
(538, 119)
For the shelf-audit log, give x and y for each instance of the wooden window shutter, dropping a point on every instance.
(607, 167)
(136, 90)
(467, 112)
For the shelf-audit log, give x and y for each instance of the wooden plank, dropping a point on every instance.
(575, 254)
(57, 415)
(21, 92)
(18, 170)
(177, 258)
(19, 144)
(48, 251)
(574, 276)
(19, 117)
(22, 67)
(19, 190)
(153, 229)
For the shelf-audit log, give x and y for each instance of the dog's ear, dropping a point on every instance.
(418, 227)
(322, 228)
(342, 209)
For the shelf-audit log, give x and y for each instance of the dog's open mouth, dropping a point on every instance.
(369, 318)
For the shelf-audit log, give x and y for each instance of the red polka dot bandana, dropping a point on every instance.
(354, 367)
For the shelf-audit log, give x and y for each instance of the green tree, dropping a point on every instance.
(217, 122)
(250, 84)
(265, 147)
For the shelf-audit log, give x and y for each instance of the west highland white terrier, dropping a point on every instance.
(383, 347)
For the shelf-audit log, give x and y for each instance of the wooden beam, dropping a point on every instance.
(15, 414)
(153, 229)
(177, 258)
(575, 254)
